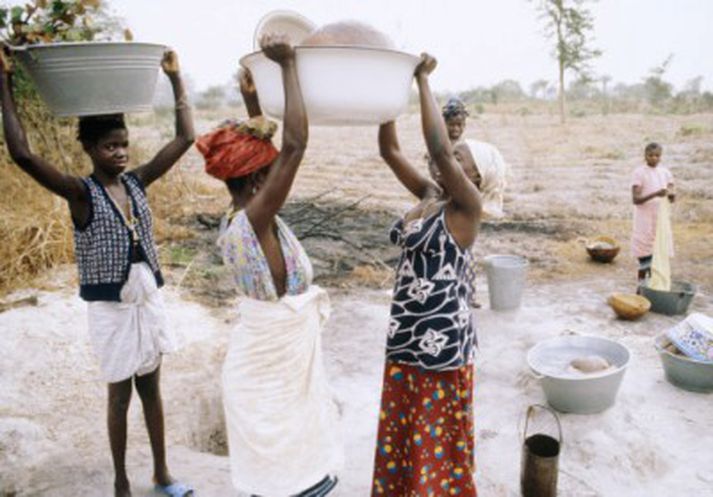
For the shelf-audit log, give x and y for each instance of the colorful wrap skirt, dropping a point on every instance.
(425, 445)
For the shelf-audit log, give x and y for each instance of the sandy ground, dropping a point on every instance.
(568, 183)
(653, 442)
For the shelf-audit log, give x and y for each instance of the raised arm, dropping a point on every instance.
(464, 209)
(167, 157)
(263, 207)
(249, 93)
(65, 185)
(414, 181)
(462, 192)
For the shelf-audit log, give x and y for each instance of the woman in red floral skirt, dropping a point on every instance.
(425, 443)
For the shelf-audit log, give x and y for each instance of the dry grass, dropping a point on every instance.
(34, 228)
(35, 225)
(371, 276)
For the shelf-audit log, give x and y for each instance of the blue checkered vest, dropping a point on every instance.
(103, 245)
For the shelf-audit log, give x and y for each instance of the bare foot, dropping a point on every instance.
(163, 477)
(122, 488)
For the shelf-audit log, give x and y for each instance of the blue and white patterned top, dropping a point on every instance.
(103, 245)
(430, 324)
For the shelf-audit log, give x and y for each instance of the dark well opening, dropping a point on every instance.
(543, 445)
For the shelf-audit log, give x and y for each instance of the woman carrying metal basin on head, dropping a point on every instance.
(425, 441)
(280, 414)
(119, 273)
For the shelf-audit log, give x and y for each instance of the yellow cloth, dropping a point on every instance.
(663, 250)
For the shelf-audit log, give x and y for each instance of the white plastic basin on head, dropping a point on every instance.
(341, 85)
(90, 78)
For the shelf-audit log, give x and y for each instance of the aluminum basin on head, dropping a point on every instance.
(89, 78)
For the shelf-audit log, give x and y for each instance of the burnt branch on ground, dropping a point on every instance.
(339, 237)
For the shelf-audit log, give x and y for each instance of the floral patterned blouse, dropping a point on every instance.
(243, 254)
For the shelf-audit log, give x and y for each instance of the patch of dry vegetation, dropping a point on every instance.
(34, 224)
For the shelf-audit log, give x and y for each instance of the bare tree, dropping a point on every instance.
(569, 24)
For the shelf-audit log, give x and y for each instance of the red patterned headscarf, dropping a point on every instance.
(236, 149)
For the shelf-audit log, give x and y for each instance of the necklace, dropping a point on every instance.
(130, 222)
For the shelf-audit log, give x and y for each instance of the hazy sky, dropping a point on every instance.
(477, 42)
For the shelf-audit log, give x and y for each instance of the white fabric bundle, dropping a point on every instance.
(663, 250)
(282, 420)
(130, 336)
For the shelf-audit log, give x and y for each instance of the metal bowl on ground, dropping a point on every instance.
(628, 305)
(573, 392)
(675, 301)
(91, 78)
(602, 248)
(684, 372)
(341, 85)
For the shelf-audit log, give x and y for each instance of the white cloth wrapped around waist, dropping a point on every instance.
(282, 420)
(493, 172)
(130, 336)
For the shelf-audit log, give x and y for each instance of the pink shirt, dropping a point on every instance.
(649, 179)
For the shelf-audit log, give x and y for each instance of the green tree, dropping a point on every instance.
(569, 24)
(658, 90)
(693, 86)
(582, 88)
(479, 95)
(604, 80)
(212, 98)
(48, 21)
(508, 90)
(538, 89)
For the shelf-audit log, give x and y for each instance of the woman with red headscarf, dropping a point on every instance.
(280, 415)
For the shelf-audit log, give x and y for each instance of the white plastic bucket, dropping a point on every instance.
(506, 280)
(341, 85)
(81, 79)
